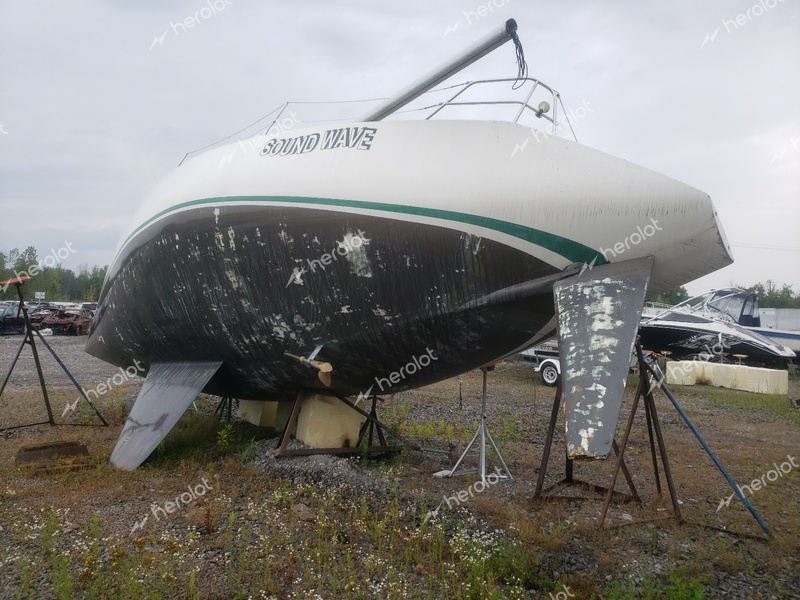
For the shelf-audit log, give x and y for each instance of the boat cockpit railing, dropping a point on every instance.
(540, 111)
(550, 107)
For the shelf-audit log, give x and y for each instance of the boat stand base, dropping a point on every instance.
(372, 426)
(483, 434)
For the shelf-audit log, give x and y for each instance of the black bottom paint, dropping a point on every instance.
(225, 290)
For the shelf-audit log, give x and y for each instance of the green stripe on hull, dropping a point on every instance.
(571, 250)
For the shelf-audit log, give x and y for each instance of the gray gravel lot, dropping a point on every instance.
(88, 370)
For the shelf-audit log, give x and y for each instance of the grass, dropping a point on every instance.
(674, 588)
(244, 539)
(745, 403)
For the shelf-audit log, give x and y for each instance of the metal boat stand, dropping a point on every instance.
(645, 391)
(569, 480)
(370, 426)
(645, 370)
(28, 338)
(619, 451)
(224, 408)
(483, 433)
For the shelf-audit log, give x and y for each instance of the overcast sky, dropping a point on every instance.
(100, 100)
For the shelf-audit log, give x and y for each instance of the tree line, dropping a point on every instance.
(48, 276)
(61, 284)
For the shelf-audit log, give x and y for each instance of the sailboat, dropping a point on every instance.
(380, 255)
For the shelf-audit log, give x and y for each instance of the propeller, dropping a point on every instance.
(323, 368)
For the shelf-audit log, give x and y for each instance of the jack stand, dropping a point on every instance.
(28, 338)
(283, 443)
(225, 406)
(644, 371)
(656, 438)
(483, 432)
(569, 480)
(371, 426)
(653, 425)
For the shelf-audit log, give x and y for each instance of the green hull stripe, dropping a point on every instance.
(567, 248)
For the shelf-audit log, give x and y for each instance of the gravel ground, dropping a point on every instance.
(517, 413)
(88, 370)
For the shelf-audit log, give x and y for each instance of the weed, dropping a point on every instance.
(749, 403)
(674, 588)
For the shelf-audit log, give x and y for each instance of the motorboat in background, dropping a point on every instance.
(742, 306)
(721, 325)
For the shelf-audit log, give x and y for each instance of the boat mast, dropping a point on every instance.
(446, 70)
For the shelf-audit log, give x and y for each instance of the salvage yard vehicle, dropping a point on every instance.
(37, 315)
(10, 321)
(73, 321)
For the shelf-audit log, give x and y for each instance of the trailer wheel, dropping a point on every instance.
(549, 375)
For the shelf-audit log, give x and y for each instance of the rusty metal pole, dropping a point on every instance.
(627, 474)
(13, 364)
(708, 450)
(32, 342)
(71, 378)
(664, 459)
(287, 432)
(652, 443)
(620, 458)
(548, 442)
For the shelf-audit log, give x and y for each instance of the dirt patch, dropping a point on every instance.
(214, 515)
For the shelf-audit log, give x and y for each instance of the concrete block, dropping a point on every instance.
(258, 412)
(325, 422)
(681, 372)
(735, 377)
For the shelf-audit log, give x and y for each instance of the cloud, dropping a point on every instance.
(96, 117)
